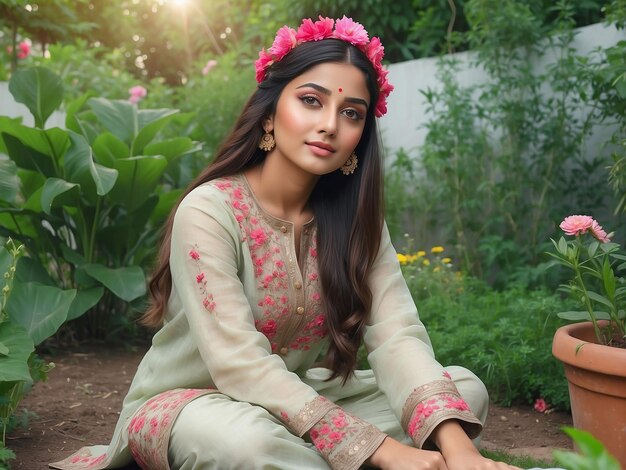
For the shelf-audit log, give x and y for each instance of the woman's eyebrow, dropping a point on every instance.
(357, 101)
(326, 91)
(317, 87)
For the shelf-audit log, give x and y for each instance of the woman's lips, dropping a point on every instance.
(321, 149)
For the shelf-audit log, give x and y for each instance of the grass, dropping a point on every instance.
(517, 460)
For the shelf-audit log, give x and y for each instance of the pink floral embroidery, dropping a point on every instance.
(148, 431)
(422, 411)
(273, 275)
(339, 435)
(207, 299)
(456, 403)
(447, 375)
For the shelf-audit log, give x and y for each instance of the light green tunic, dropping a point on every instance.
(244, 327)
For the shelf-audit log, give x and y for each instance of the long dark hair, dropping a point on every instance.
(348, 209)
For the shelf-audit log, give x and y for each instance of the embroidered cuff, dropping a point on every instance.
(310, 414)
(345, 441)
(430, 404)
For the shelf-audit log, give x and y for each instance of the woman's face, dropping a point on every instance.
(320, 117)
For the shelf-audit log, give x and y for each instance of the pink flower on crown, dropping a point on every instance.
(350, 31)
(285, 41)
(315, 31)
(262, 63)
(375, 50)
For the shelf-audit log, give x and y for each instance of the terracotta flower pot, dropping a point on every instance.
(596, 375)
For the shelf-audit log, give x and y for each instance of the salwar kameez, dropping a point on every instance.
(231, 379)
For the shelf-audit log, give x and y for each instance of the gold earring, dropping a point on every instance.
(267, 142)
(350, 165)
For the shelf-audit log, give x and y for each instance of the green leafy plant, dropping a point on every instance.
(499, 156)
(87, 202)
(592, 454)
(593, 258)
(29, 313)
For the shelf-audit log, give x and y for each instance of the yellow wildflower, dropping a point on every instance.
(421, 253)
(436, 269)
(446, 261)
(437, 249)
(402, 258)
(426, 262)
(411, 258)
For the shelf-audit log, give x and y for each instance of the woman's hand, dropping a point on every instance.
(459, 451)
(393, 455)
(475, 461)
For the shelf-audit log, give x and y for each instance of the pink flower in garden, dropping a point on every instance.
(285, 41)
(315, 31)
(541, 406)
(209, 65)
(350, 31)
(599, 233)
(23, 49)
(136, 93)
(576, 224)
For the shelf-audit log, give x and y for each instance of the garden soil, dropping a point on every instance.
(80, 402)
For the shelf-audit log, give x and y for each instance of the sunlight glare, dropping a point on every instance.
(179, 3)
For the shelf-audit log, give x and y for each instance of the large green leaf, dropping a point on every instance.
(127, 283)
(29, 158)
(14, 365)
(9, 182)
(172, 148)
(31, 270)
(84, 300)
(40, 89)
(80, 168)
(166, 202)
(72, 109)
(137, 180)
(51, 142)
(40, 309)
(58, 192)
(151, 121)
(109, 148)
(119, 117)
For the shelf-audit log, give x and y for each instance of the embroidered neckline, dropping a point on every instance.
(273, 220)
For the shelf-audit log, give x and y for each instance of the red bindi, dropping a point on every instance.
(340, 89)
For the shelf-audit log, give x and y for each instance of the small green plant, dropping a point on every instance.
(592, 454)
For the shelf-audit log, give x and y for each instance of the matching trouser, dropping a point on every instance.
(216, 432)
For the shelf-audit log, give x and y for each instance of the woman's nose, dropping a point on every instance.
(328, 121)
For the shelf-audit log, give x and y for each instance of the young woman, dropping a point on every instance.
(278, 255)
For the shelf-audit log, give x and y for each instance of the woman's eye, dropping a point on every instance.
(352, 114)
(310, 100)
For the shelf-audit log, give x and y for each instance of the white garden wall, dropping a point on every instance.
(402, 126)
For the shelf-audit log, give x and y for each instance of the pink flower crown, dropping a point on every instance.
(345, 29)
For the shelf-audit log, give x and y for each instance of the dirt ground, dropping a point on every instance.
(80, 403)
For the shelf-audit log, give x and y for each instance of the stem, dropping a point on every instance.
(581, 284)
(92, 237)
